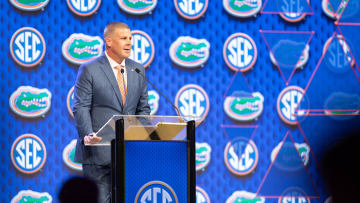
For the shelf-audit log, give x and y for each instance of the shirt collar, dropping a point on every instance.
(113, 63)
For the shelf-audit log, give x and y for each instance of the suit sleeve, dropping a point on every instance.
(83, 102)
(143, 107)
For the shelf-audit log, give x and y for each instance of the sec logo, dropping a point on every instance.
(28, 154)
(29, 5)
(240, 52)
(137, 7)
(201, 195)
(338, 55)
(294, 195)
(288, 101)
(143, 49)
(192, 100)
(191, 9)
(288, 13)
(242, 9)
(241, 156)
(70, 101)
(156, 192)
(83, 7)
(27, 47)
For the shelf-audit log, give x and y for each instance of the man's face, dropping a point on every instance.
(119, 44)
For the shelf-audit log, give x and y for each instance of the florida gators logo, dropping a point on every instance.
(189, 52)
(294, 195)
(241, 156)
(192, 100)
(289, 100)
(70, 101)
(339, 56)
(244, 106)
(29, 5)
(153, 100)
(335, 8)
(27, 47)
(244, 197)
(83, 7)
(31, 196)
(30, 102)
(80, 48)
(203, 155)
(284, 161)
(143, 49)
(341, 105)
(240, 52)
(69, 156)
(191, 10)
(156, 191)
(201, 195)
(242, 8)
(137, 7)
(28, 154)
(284, 54)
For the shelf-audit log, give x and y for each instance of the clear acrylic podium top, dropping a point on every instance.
(145, 128)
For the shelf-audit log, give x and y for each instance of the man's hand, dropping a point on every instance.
(91, 139)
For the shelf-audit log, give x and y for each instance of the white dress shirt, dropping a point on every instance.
(113, 64)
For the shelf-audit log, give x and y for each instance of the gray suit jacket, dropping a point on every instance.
(97, 98)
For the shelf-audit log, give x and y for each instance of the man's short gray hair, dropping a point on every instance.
(111, 27)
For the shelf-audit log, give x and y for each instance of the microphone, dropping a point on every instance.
(167, 99)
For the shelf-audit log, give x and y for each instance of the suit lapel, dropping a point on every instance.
(106, 68)
(130, 77)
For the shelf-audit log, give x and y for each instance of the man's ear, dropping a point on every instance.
(108, 42)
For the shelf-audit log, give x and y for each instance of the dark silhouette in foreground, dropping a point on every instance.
(79, 189)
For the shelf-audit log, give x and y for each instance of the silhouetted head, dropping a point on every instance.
(79, 189)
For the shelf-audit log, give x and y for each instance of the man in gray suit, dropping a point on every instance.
(106, 86)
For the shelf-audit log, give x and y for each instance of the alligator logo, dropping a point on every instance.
(68, 156)
(143, 49)
(156, 190)
(28, 154)
(201, 195)
(240, 52)
(335, 8)
(70, 101)
(30, 102)
(285, 160)
(29, 196)
(339, 56)
(294, 195)
(191, 10)
(244, 197)
(80, 48)
(189, 52)
(137, 7)
(242, 8)
(241, 156)
(341, 105)
(153, 100)
(83, 7)
(29, 5)
(192, 100)
(203, 151)
(243, 106)
(285, 54)
(27, 47)
(289, 100)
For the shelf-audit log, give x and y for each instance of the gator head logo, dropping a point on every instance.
(29, 196)
(241, 156)
(189, 52)
(70, 101)
(28, 154)
(284, 54)
(341, 105)
(192, 100)
(289, 100)
(143, 49)
(335, 8)
(137, 7)
(191, 10)
(83, 7)
(201, 195)
(156, 190)
(202, 153)
(244, 197)
(29, 5)
(240, 52)
(153, 100)
(294, 195)
(339, 56)
(30, 102)
(243, 106)
(68, 156)
(302, 148)
(242, 8)
(27, 47)
(80, 48)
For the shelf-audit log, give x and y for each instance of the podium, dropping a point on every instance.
(152, 158)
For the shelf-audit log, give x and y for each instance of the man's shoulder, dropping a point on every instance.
(94, 63)
(132, 63)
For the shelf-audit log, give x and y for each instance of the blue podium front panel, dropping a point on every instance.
(155, 171)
